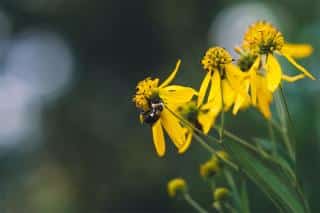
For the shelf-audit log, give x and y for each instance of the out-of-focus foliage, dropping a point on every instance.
(70, 138)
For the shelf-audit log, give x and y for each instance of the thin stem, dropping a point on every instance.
(193, 203)
(245, 207)
(230, 208)
(212, 151)
(239, 140)
(272, 138)
(201, 141)
(191, 126)
(276, 125)
(283, 113)
(233, 186)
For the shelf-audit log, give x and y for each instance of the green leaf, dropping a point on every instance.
(267, 175)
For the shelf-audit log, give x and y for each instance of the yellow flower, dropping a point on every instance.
(213, 165)
(176, 186)
(225, 79)
(209, 168)
(261, 96)
(155, 102)
(221, 194)
(262, 40)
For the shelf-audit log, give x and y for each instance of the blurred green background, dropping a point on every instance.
(70, 137)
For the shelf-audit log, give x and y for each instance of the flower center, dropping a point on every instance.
(146, 90)
(263, 38)
(215, 59)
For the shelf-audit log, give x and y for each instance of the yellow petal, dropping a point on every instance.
(228, 95)
(158, 138)
(203, 88)
(297, 50)
(241, 102)
(171, 76)
(292, 78)
(175, 95)
(298, 66)
(187, 143)
(173, 127)
(207, 116)
(215, 90)
(264, 97)
(253, 73)
(236, 78)
(273, 73)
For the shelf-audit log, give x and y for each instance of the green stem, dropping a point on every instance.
(284, 115)
(230, 208)
(272, 138)
(233, 186)
(245, 207)
(212, 151)
(193, 203)
(191, 126)
(238, 139)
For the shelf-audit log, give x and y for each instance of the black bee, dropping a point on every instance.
(152, 115)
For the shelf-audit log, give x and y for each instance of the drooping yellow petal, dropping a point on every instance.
(242, 102)
(253, 73)
(215, 90)
(228, 95)
(292, 79)
(187, 143)
(173, 127)
(204, 88)
(264, 97)
(207, 116)
(171, 76)
(176, 95)
(273, 73)
(298, 66)
(297, 50)
(158, 138)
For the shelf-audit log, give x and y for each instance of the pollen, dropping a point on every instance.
(145, 90)
(216, 58)
(263, 38)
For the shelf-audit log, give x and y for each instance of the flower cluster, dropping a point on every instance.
(229, 84)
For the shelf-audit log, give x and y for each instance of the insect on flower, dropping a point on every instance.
(157, 104)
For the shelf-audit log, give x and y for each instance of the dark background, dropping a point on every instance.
(70, 137)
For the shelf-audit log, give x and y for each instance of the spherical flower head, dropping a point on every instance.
(263, 38)
(176, 186)
(145, 90)
(215, 59)
(209, 168)
(221, 194)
